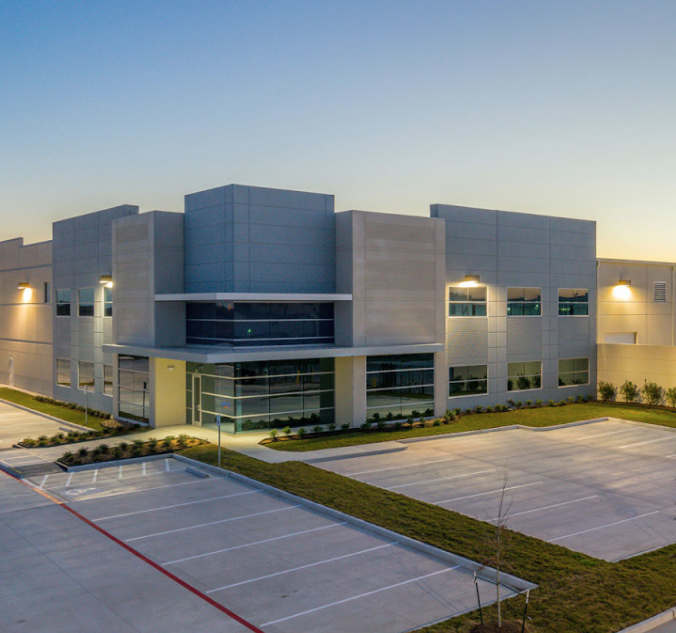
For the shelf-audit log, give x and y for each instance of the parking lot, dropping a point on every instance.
(279, 565)
(606, 488)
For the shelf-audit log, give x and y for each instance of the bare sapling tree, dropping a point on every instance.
(499, 540)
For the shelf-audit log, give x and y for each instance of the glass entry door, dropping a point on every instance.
(197, 400)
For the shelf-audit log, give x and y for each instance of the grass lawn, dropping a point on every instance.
(538, 417)
(577, 593)
(63, 413)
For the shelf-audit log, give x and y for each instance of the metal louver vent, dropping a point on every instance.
(660, 291)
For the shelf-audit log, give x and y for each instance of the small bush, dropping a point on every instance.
(82, 452)
(580, 398)
(287, 431)
(345, 427)
(653, 393)
(301, 432)
(380, 424)
(478, 408)
(518, 404)
(538, 403)
(397, 425)
(436, 422)
(562, 403)
(670, 396)
(607, 391)
(551, 403)
(331, 428)
(366, 425)
(273, 435)
(630, 391)
(489, 410)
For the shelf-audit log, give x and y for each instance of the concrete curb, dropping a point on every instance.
(116, 462)
(488, 574)
(318, 460)
(511, 427)
(72, 425)
(651, 623)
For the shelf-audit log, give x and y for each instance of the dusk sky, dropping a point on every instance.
(549, 107)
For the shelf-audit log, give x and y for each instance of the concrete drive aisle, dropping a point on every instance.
(282, 565)
(601, 488)
(59, 576)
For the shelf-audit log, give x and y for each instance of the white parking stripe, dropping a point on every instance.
(589, 437)
(601, 527)
(176, 505)
(131, 492)
(431, 481)
(490, 492)
(361, 595)
(554, 505)
(201, 525)
(378, 470)
(267, 540)
(166, 465)
(119, 474)
(144, 468)
(659, 439)
(42, 483)
(70, 478)
(95, 475)
(288, 571)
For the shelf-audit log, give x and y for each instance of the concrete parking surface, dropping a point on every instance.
(605, 488)
(279, 565)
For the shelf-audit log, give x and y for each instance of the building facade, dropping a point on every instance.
(265, 308)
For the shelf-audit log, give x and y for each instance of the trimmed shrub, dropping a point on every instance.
(630, 391)
(345, 427)
(607, 391)
(301, 433)
(653, 393)
(670, 396)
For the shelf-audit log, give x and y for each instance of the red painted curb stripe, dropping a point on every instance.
(145, 559)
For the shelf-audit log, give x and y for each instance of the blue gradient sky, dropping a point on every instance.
(556, 107)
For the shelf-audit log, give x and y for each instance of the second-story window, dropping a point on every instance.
(524, 302)
(107, 302)
(466, 302)
(85, 302)
(63, 303)
(573, 301)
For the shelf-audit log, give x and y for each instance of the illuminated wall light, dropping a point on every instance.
(622, 290)
(470, 281)
(23, 285)
(171, 368)
(106, 280)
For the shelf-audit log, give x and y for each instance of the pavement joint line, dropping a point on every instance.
(267, 540)
(175, 505)
(288, 571)
(555, 505)
(361, 595)
(201, 525)
(377, 470)
(601, 527)
(659, 439)
(431, 481)
(490, 492)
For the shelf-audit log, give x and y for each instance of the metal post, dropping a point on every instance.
(218, 424)
(478, 597)
(86, 417)
(525, 610)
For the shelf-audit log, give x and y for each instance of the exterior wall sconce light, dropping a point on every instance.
(106, 280)
(623, 290)
(470, 281)
(171, 368)
(23, 285)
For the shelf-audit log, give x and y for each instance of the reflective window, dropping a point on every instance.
(467, 381)
(63, 372)
(85, 302)
(107, 302)
(466, 302)
(108, 380)
(526, 375)
(573, 371)
(85, 375)
(264, 394)
(255, 324)
(46, 292)
(399, 386)
(133, 378)
(524, 302)
(63, 303)
(573, 301)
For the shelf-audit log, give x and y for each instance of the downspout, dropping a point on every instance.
(672, 304)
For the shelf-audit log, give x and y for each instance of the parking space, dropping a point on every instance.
(606, 488)
(278, 564)
(17, 424)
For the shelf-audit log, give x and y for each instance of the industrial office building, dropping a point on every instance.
(268, 308)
